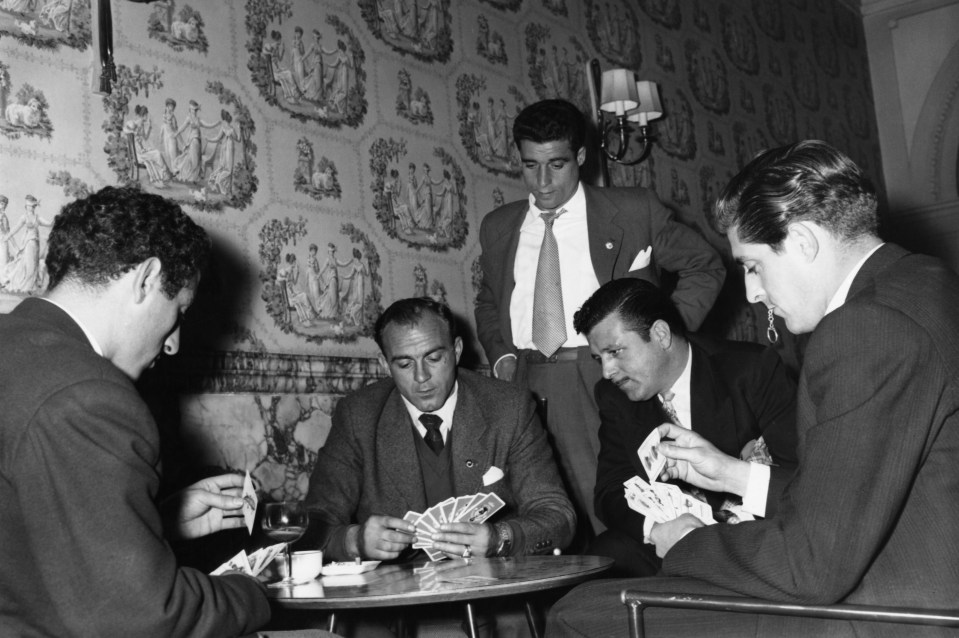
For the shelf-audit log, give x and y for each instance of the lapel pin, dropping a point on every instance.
(469, 463)
(609, 245)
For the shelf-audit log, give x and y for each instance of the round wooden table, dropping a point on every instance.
(459, 580)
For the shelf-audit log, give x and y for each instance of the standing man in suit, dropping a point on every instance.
(735, 395)
(544, 255)
(867, 516)
(83, 542)
(429, 432)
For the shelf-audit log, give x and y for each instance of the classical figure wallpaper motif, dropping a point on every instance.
(342, 155)
(47, 24)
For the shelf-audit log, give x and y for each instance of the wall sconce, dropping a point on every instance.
(625, 102)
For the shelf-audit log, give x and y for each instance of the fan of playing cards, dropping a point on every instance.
(463, 509)
(657, 501)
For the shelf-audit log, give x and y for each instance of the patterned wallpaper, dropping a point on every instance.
(342, 153)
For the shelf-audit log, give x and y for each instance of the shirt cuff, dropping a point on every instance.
(757, 488)
(508, 354)
(647, 528)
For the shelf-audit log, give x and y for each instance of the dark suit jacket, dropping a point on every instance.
(621, 223)
(369, 464)
(871, 515)
(740, 391)
(81, 541)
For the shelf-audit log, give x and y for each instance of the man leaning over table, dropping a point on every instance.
(83, 542)
(871, 513)
(593, 235)
(735, 395)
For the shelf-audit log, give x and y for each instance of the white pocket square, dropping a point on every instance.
(492, 475)
(642, 259)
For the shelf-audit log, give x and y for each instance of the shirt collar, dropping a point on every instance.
(680, 389)
(445, 412)
(575, 207)
(87, 333)
(839, 298)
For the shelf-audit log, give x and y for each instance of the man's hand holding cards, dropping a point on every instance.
(660, 502)
(455, 523)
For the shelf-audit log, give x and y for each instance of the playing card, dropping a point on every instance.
(482, 509)
(264, 556)
(447, 509)
(240, 562)
(249, 502)
(462, 504)
(653, 462)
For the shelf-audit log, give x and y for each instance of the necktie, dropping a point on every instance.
(433, 437)
(668, 407)
(549, 320)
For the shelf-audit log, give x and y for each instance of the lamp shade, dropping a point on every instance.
(649, 107)
(619, 91)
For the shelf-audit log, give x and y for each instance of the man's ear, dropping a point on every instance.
(148, 276)
(581, 156)
(660, 333)
(458, 348)
(385, 365)
(802, 237)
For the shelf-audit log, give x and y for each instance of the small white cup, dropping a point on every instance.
(306, 565)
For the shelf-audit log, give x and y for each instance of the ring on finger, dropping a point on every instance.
(467, 552)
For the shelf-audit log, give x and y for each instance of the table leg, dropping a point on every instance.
(470, 620)
(531, 619)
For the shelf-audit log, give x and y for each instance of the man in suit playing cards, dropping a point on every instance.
(422, 459)
(734, 396)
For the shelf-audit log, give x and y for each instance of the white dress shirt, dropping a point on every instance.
(575, 268)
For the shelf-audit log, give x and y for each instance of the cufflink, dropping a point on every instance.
(469, 463)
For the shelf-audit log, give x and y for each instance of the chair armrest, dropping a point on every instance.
(637, 601)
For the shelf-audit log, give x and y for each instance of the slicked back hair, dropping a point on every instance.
(408, 312)
(551, 121)
(637, 302)
(806, 181)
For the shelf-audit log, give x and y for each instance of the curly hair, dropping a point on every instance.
(805, 181)
(551, 121)
(96, 239)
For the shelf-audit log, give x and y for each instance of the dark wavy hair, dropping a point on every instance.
(805, 181)
(639, 304)
(96, 239)
(551, 121)
(408, 312)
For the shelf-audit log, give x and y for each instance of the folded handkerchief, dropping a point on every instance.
(492, 475)
(757, 452)
(642, 259)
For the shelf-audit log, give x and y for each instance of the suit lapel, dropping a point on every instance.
(710, 404)
(603, 230)
(396, 452)
(470, 447)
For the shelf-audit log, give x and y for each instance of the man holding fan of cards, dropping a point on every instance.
(83, 544)
(733, 396)
(871, 514)
(435, 457)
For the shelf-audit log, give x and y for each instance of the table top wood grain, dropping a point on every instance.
(423, 582)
